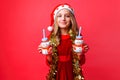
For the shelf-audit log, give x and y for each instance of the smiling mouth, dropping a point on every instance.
(63, 22)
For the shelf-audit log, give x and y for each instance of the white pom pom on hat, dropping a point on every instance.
(50, 28)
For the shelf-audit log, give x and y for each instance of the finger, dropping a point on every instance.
(40, 51)
(39, 45)
(50, 50)
(85, 45)
(86, 49)
(39, 48)
(73, 46)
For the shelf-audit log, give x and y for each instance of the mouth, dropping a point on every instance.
(63, 22)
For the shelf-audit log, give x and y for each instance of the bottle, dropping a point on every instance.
(45, 44)
(78, 43)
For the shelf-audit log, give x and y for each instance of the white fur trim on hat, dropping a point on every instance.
(63, 7)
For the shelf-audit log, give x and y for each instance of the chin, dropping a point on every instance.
(63, 26)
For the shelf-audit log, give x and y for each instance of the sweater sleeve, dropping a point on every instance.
(49, 59)
(48, 56)
(82, 59)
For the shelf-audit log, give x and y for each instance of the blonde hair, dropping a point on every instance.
(72, 30)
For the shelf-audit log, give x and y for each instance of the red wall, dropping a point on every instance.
(21, 22)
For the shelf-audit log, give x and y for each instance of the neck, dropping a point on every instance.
(64, 31)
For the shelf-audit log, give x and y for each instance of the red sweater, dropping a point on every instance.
(65, 67)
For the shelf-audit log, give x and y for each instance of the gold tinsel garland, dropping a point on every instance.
(53, 67)
(77, 70)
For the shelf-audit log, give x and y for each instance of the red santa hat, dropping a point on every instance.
(56, 10)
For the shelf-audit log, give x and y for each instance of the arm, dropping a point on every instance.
(82, 55)
(49, 59)
(48, 56)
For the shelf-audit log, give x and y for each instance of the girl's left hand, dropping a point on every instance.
(85, 48)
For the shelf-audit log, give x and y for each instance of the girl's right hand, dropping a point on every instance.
(49, 49)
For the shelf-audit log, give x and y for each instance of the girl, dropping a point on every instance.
(64, 63)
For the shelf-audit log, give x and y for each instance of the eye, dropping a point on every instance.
(59, 15)
(67, 16)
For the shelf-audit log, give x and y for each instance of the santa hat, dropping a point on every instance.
(56, 10)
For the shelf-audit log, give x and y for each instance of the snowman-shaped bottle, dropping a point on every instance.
(45, 44)
(78, 43)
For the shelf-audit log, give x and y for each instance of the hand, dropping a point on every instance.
(85, 48)
(77, 49)
(49, 49)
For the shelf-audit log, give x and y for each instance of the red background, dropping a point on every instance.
(21, 24)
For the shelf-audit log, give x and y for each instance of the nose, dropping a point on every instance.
(63, 17)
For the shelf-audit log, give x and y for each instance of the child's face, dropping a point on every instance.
(63, 19)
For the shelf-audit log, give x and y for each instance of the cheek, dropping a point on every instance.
(58, 20)
(68, 20)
